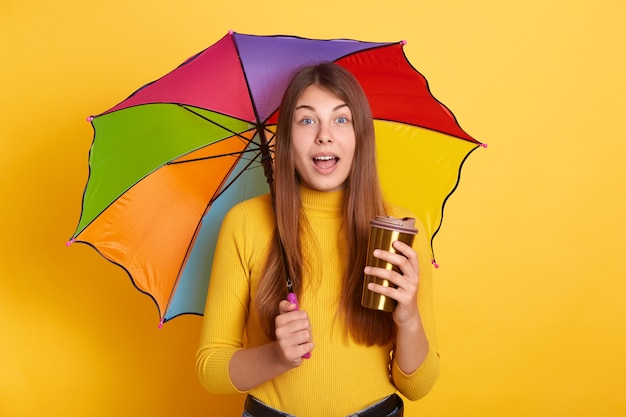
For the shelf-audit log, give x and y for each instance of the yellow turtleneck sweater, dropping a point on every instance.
(342, 376)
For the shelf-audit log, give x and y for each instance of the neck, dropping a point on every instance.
(329, 204)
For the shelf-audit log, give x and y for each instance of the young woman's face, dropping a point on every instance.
(323, 140)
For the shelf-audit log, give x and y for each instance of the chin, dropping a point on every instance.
(330, 187)
(323, 184)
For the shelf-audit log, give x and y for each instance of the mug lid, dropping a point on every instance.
(405, 224)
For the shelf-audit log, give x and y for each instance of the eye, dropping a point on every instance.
(307, 121)
(342, 120)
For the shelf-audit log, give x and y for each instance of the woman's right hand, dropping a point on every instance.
(293, 334)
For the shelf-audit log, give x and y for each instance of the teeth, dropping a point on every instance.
(324, 158)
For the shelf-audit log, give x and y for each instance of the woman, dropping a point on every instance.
(326, 192)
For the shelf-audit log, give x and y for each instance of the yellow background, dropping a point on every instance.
(530, 294)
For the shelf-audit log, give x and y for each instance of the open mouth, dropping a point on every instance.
(325, 161)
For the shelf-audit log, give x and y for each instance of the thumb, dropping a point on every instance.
(285, 307)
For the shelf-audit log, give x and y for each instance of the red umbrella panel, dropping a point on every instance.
(168, 162)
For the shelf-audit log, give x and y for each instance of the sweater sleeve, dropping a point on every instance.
(420, 382)
(226, 307)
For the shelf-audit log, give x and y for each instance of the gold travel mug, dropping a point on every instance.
(385, 230)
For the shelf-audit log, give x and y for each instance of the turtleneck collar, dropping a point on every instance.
(322, 203)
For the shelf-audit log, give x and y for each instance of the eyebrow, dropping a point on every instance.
(306, 106)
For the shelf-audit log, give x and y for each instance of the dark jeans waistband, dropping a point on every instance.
(391, 406)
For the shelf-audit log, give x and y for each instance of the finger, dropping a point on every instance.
(401, 285)
(405, 297)
(296, 353)
(304, 350)
(289, 338)
(285, 307)
(405, 265)
(407, 274)
(292, 318)
(387, 291)
(294, 345)
(293, 321)
(407, 251)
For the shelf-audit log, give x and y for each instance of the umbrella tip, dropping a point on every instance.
(90, 118)
(403, 42)
(69, 242)
(231, 32)
(484, 145)
(436, 265)
(161, 324)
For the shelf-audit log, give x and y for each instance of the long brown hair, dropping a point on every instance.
(368, 327)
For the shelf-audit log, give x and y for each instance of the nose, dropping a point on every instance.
(322, 140)
(323, 135)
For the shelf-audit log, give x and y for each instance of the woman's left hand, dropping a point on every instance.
(406, 312)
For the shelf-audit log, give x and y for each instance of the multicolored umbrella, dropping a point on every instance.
(168, 162)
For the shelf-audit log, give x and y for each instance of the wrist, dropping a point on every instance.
(410, 324)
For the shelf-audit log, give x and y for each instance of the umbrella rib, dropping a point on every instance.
(240, 136)
(204, 158)
(190, 110)
(223, 189)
